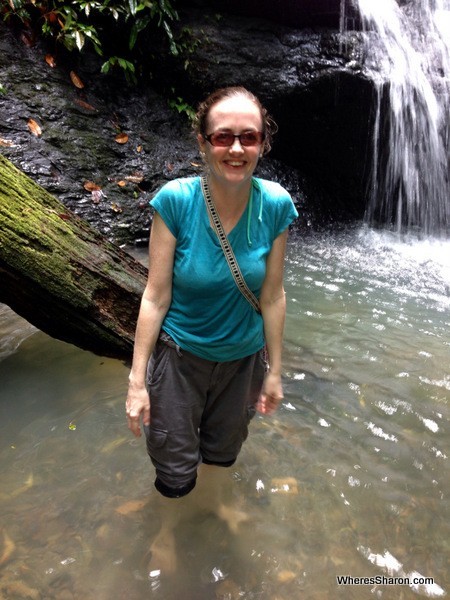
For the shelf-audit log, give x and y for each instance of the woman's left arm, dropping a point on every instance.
(273, 309)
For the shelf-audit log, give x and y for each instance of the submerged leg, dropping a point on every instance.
(163, 548)
(213, 493)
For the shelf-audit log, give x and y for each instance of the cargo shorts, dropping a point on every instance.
(199, 412)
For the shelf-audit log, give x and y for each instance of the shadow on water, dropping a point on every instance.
(350, 477)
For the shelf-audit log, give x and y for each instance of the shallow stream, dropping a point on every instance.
(350, 477)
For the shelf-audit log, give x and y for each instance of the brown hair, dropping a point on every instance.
(201, 118)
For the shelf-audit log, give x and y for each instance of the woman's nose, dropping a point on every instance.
(236, 146)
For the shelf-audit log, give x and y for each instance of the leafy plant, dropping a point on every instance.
(180, 105)
(73, 23)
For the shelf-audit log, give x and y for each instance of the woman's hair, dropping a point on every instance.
(201, 118)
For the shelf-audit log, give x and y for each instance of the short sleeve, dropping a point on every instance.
(278, 202)
(166, 202)
(286, 214)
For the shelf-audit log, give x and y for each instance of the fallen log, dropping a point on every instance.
(60, 274)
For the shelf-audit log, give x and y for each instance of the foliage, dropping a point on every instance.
(179, 104)
(73, 23)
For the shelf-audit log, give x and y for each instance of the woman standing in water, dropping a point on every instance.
(203, 332)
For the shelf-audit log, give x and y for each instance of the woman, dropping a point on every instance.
(207, 373)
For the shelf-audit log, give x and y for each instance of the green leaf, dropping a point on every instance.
(79, 39)
(133, 37)
(133, 6)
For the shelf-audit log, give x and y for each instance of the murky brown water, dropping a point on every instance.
(350, 477)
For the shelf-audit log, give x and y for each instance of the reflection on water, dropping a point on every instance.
(350, 477)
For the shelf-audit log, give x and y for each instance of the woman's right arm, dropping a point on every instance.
(154, 306)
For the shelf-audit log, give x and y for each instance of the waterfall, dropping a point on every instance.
(407, 55)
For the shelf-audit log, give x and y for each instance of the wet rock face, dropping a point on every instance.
(310, 81)
(77, 144)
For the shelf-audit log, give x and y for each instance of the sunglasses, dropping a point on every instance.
(226, 138)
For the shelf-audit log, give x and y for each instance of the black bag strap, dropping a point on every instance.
(227, 249)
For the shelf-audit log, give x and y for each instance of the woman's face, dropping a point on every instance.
(235, 164)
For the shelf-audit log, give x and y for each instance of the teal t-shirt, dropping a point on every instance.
(208, 315)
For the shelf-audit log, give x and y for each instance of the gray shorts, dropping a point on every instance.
(199, 412)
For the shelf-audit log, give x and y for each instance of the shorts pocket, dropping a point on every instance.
(157, 363)
(155, 438)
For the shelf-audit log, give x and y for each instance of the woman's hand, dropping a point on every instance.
(272, 394)
(137, 404)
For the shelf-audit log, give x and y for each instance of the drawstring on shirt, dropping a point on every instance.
(255, 184)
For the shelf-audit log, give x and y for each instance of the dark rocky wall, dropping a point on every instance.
(310, 80)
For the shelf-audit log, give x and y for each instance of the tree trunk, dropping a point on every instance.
(60, 274)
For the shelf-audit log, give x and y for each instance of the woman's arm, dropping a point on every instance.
(154, 306)
(273, 309)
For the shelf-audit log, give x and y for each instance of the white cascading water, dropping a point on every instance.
(407, 55)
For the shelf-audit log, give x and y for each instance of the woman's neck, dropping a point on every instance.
(230, 202)
(230, 199)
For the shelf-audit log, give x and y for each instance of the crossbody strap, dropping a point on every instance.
(227, 249)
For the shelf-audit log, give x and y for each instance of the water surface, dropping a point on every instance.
(350, 477)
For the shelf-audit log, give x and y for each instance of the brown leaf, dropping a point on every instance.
(195, 164)
(50, 60)
(27, 38)
(51, 17)
(136, 178)
(34, 127)
(90, 186)
(139, 149)
(6, 143)
(122, 183)
(121, 138)
(116, 208)
(64, 216)
(76, 80)
(84, 104)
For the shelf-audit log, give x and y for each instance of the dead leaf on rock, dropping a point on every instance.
(34, 127)
(121, 138)
(136, 178)
(84, 104)
(6, 143)
(116, 208)
(139, 149)
(90, 186)
(76, 80)
(121, 183)
(50, 60)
